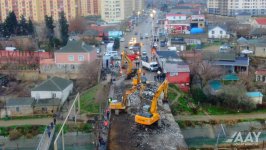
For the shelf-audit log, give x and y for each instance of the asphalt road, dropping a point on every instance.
(143, 27)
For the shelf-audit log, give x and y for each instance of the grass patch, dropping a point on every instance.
(174, 86)
(80, 127)
(172, 96)
(88, 102)
(26, 117)
(215, 110)
(28, 131)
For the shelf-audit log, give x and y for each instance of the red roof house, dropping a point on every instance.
(178, 74)
(261, 75)
(259, 22)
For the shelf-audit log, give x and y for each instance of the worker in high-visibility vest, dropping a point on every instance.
(110, 100)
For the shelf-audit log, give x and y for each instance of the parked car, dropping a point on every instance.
(122, 39)
(98, 50)
(146, 35)
(144, 53)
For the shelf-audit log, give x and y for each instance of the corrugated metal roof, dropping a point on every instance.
(20, 101)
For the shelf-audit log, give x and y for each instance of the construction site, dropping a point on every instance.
(141, 117)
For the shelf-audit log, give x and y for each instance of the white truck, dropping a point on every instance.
(109, 47)
(151, 66)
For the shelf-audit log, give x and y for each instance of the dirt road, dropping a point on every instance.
(39, 121)
(221, 117)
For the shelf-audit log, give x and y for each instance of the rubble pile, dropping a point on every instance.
(134, 99)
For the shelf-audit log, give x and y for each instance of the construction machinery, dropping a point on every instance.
(119, 106)
(150, 114)
(131, 72)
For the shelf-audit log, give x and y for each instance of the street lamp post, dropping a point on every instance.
(152, 16)
(138, 15)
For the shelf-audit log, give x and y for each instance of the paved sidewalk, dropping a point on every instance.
(37, 121)
(221, 117)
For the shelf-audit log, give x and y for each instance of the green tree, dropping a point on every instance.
(49, 22)
(63, 28)
(22, 26)
(30, 27)
(116, 43)
(10, 24)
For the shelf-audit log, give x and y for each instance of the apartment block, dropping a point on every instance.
(138, 5)
(37, 9)
(237, 7)
(90, 7)
(212, 6)
(114, 11)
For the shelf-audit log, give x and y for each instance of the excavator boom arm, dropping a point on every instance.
(162, 88)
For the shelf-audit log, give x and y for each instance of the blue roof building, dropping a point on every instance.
(255, 97)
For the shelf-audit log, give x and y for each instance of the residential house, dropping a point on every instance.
(261, 75)
(257, 32)
(70, 57)
(3, 80)
(218, 32)
(46, 106)
(257, 46)
(21, 106)
(255, 97)
(52, 88)
(178, 74)
(171, 56)
(259, 22)
(179, 43)
(228, 61)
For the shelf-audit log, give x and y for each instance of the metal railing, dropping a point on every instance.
(61, 131)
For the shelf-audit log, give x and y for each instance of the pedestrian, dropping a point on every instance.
(52, 125)
(54, 121)
(48, 132)
(108, 114)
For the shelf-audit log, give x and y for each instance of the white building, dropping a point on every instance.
(218, 33)
(51, 88)
(114, 11)
(255, 97)
(237, 7)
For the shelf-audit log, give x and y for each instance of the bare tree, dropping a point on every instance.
(204, 71)
(77, 25)
(88, 75)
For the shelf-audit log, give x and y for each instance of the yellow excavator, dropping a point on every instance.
(131, 72)
(150, 114)
(119, 106)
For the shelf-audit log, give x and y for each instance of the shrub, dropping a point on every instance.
(14, 134)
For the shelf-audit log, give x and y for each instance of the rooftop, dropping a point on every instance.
(254, 94)
(53, 84)
(76, 46)
(261, 21)
(175, 68)
(20, 101)
(239, 61)
(167, 54)
(261, 72)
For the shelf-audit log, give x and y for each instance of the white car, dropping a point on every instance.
(122, 40)
(130, 47)
(155, 45)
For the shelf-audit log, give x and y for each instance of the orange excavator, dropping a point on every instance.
(150, 114)
(121, 106)
(131, 72)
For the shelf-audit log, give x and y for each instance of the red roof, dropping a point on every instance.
(261, 21)
(261, 72)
